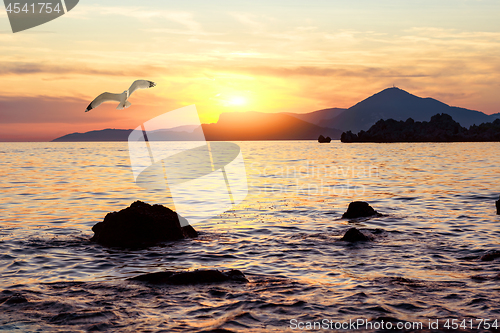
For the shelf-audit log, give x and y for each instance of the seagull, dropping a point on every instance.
(122, 98)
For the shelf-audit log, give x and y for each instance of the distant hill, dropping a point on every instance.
(102, 135)
(190, 133)
(317, 117)
(238, 126)
(397, 104)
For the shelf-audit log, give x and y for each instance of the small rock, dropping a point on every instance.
(141, 224)
(194, 277)
(359, 209)
(490, 255)
(354, 235)
(322, 139)
(497, 203)
(16, 299)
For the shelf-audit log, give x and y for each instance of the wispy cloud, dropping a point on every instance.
(29, 68)
(44, 109)
(350, 71)
(183, 18)
(251, 21)
(183, 32)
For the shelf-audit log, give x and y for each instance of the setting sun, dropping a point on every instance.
(238, 100)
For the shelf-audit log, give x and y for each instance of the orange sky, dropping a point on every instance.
(294, 56)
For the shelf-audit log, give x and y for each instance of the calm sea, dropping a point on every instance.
(438, 201)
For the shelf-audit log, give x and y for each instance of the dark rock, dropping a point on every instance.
(141, 225)
(497, 203)
(218, 330)
(359, 209)
(490, 255)
(322, 139)
(348, 137)
(14, 299)
(480, 278)
(354, 235)
(194, 277)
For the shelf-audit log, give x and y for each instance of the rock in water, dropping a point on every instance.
(322, 139)
(490, 255)
(194, 277)
(139, 225)
(498, 206)
(359, 209)
(14, 299)
(354, 235)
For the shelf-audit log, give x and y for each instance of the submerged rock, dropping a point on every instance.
(490, 255)
(141, 224)
(194, 277)
(359, 209)
(354, 235)
(322, 139)
(497, 203)
(14, 299)
(481, 278)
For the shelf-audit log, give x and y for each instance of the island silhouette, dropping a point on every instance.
(441, 128)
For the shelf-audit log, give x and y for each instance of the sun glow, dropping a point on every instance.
(237, 101)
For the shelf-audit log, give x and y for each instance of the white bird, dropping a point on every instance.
(122, 98)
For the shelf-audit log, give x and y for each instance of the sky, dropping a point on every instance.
(235, 56)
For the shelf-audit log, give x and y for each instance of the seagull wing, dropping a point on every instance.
(104, 97)
(140, 84)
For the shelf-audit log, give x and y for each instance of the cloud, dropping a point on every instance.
(182, 18)
(43, 109)
(249, 20)
(346, 71)
(183, 32)
(29, 68)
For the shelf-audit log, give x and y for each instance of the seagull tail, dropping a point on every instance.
(124, 105)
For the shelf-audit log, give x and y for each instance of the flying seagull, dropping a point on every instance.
(122, 98)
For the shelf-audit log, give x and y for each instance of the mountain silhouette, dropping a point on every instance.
(391, 103)
(109, 134)
(317, 117)
(397, 104)
(233, 126)
(236, 126)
